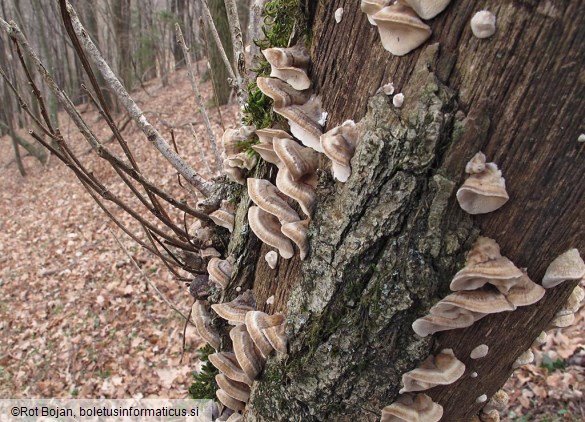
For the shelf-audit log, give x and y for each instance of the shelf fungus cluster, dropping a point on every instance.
(485, 189)
(237, 164)
(566, 267)
(409, 407)
(488, 283)
(399, 22)
(254, 336)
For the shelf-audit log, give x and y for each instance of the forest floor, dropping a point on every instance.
(77, 319)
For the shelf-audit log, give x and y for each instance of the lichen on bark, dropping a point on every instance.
(378, 255)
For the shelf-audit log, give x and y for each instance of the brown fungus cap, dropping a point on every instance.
(266, 196)
(296, 56)
(220, 271)
(339, 146)
(442, 369)
(256, 321)
(281, 93)
(267, 135)
(304, 122)
(237, 390)
(479, 351)
(235, 311)
(567, 266)
(276, 335)
(224, 218)
(525, 292)
(483, 192)
(298, 160)
(229, 401)
(400, 29)
(301, 191)
(227, 364)
(371, 7)
(430, 324)
(500, 272)
(248, 356)
(412, 409)
(266, 151)
(428, 9)
(484, 301)
(297, 232)
(203, 324)
(267, 227)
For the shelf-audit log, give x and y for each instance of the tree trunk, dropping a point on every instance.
(218, 71)
(122, 26)
(385, 245)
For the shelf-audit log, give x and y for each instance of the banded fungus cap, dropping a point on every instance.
(296, 56)
(483, 24)
(500, 272)
(442, 369)
(430, 324)
(281, 93)
(567, 266)
(267, 135)
(302, 126)
(203, 324)
(235, 389)
(300, 191)
(297, 78)
(573, 302)
(298, 160)
(428, 9)
(483, 192)
(229, 401)
(562, 321)
(484, 301)
(256, 321)
(371, 7)
(401, 30)
(297, 232)
(235, 311)
(247, 354)
(265, 195)
(266, 151)
(525, 292)
(220, 271)
(524, 359)
(276, 335)
(223, 218)
(339, 145)
(499, 401)
(407, 408)
(227, 364)
(267, 227)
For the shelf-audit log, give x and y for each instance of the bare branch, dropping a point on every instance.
(198, 97)
(151, 133)
(237, 43)
(203, 157)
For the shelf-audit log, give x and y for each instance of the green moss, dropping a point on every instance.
(204, 385)
(282, 19)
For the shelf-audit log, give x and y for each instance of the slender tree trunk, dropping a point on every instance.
(385, 245)
(218, 71)
(122, 27)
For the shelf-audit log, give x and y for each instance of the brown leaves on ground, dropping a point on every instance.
(76, 317)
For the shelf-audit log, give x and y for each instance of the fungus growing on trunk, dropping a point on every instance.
(282, 93)
(400, 29)
(297, 232)
(412, 408)
(203, 324)
(220, 271)
(371, 7)
(266, 196)
(567, 266)
(267, 227)
(235, 311)
(339, 146)
(483, 24)
(271, 258)
(298, 160)
(442, 369)
(483, 191)
(247, 354)
(227, 364)
(427, 9)
(480, 351)
(224, 216)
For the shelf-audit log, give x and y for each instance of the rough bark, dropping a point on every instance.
(385, 245)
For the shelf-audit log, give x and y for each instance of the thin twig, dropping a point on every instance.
(203, 157)
(147, 279)
(198, 97)
(238, 47)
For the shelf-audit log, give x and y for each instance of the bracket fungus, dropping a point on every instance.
(567, 266)
(304, 122)
(480, 351)
(247, 354)
(408, 408)
(256, 322)
(289, 65)
(235, 311)
(338, 14)
(339, 146)
(203, 324)
(231, 137)
(483, 191)
(442, 369)
(428, 9)
(297, 232)
(483, 24)
(298, 160)
(228, 365)
(398, 100)
(235, 389)
(301, 191)
(228, 401)
(271, 258)
(266, 196)
(220, 271)
(267, 227)
(224, 216)
(281, 93)
(277, 337)
(371, 7)
(400, 29)
(524, 359)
